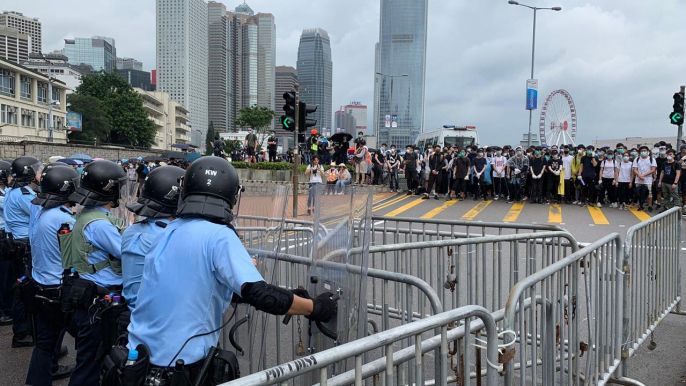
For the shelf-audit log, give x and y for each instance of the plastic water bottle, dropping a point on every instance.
(133, 357)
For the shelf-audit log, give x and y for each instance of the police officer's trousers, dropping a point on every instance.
(50, 330)
(88, 337)
(6, 281)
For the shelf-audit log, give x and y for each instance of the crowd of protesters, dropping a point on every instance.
(642, 178)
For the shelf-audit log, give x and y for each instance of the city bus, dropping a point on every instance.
(449, 135)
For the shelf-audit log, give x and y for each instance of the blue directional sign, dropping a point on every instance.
(532, 94)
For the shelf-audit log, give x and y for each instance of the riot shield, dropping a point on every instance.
(128, 193)
(339, 265)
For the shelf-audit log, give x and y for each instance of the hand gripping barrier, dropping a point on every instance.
(320, 362)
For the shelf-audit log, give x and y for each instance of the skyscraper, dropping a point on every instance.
(315, 72)
(219, 66)
(252, 60)
(359, 111)
(399, 113)
(14, 46)
(129, 64)
(345, 120)
(25, 25)
(98, 52)
(182, 64)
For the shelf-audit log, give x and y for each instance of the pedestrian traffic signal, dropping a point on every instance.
(288, 120)
(303, 122)
(677, 116)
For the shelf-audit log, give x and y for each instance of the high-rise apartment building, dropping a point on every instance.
(182, 64)
(359, 111)
(25, 25)
(252, 60)
(129, 64)
(400, 71)
(315, 73)
(98, 52)
(14, 46)
(218, 91)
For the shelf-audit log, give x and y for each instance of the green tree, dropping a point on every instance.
(129, 121)
(95, 121)
(209, 139)
(257, 118)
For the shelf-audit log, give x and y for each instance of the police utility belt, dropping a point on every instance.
(15, 250)
(218, 367)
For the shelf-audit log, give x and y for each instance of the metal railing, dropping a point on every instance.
(577, 326)
(652, 284)
(356, 350)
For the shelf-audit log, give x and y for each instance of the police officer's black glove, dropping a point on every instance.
(301, 292)
(325, 307)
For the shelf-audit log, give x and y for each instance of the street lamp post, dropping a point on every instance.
(390, 99)
(533, 48)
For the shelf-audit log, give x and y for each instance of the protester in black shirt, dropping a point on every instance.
(537, 168)
(272, 143)
(553, 168)
(435, 170)
(479, 174)
(669, 181)
(378, 162)
(410, 163)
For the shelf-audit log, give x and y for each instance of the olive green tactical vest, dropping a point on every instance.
(75, 248)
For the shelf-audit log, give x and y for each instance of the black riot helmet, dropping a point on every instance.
(99, 185)
(160, 194)
(25, 170)
(210, 189)
(5, 172)
(57, 184)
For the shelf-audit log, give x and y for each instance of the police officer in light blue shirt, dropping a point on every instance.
(17, 212)
(157, 203)
(95, 235)
(5, 280)
(57, 184)
(195, 266)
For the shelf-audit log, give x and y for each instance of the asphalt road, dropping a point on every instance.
(666, 365)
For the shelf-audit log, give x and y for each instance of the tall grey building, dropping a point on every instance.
(315, 72)
(182, 65)
(346, 120)
(98, 52)
(252, 60)
(129, 64)
(25, 25)
(219, 66)
(399, 117)
(14, 46)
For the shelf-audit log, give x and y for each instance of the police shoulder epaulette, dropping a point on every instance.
(65, 210)
(24, 191)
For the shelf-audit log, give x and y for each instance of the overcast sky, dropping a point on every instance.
(621, 60)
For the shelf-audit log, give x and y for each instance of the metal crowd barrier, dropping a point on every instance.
(652, 283)
(321, 362)
(574, 334)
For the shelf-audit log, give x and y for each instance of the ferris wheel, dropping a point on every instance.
(558, 119)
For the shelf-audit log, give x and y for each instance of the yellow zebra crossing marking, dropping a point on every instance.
(514, 212)
(476, 210)
(434, 212)
(389, 203)
(598, 216)
(643, 216)
(405, 208)
(555, 214)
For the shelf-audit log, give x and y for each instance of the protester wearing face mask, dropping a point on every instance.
(392, 164)
(669, 182)
(460, 172)
(537, 169)
(567, 160)
(644, 169)
(609, 172)
(410, 165)
(587, 175)
(624, 181)
(479, 164)
(554, 184)
(660, 160)
(498, 164)
(517, 170)
(435, 167)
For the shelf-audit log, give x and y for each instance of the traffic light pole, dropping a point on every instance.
(296, 152)
(680, 132)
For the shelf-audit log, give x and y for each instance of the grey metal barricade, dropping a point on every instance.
(577, 326)
(653, 281)
(417, 331)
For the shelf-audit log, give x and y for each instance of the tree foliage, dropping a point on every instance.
(123, 106)
(95, 121)
(209, 139)
(257, 118)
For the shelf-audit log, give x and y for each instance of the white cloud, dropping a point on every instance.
(621, 60)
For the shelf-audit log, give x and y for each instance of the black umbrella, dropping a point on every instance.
(341, 137)
(182, 146)
(167, 154)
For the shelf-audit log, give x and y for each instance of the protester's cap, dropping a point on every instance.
(341, 165)
(333, 163)
(313, 132)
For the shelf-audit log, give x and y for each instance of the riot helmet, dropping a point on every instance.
(57, 184)
(5, 172)
(160, 194)
(25, 170)
(100, 184)
(210, 189)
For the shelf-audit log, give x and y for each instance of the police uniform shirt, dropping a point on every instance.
(17, 211)
(106, 238)
(3, 193)
(47, 260)
(136, 243)
(189, 278)
(33, 220)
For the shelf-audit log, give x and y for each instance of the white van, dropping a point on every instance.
(449, 135)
